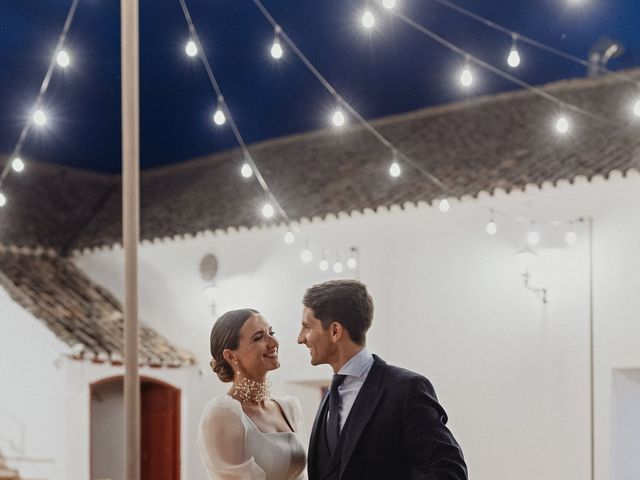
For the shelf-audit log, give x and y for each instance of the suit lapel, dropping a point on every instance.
(315, 433)
(364, 406)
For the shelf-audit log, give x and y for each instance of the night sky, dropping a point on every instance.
(388, 70)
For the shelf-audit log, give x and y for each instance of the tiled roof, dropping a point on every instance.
(80, 313)
(503, 141)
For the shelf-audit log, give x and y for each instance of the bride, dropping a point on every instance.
(246, 434)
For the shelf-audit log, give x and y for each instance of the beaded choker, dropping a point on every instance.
(251, 391)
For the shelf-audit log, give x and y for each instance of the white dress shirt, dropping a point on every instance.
(356, 370)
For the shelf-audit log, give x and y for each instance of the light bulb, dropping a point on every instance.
(289, 238)
(276, 50)
(394, 170)
(219, 118)
(389, 4)
(571, 237)
(268, 211)
(3, 200)
(368, 20)
(514, 58)
(191, 48)
(636, 108)
(63, 59)
(39, 118)
(562, 124)
(323, 265)
(337, 267)
(492, 228)
(306, 256)
(466, 78)
(17, 164)
(444, 205)
(352, 263)
(338, 118)
(246, 170)
(533, 238)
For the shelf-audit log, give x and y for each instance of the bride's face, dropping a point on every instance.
(257, 351)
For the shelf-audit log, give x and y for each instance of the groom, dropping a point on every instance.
(377, 421)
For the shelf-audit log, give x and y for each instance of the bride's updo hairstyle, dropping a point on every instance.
(226, 334)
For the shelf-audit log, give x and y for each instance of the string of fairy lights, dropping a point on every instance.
(344, 112)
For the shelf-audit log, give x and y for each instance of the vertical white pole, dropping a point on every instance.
(131, 228)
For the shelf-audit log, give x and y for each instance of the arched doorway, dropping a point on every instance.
(159, 430)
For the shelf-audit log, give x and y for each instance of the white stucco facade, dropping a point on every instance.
(513, 374)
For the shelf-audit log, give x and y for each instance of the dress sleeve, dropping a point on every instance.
(222, 443)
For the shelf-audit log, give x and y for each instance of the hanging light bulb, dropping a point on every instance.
(219, 118)
(17, 164)
(268, 210)
(636, 108)
(337, 267)
(323, 265)
(444, 205)
(3, 200)
(191, 48)
(389, 4)
(513, 60)
(289, 237)
(368, 20)
(533, 237)
(571, 237)
(492, 228)
(39, 118)
(352, 261)
(63, 59)
(466, 77)
(246, 170)
(562, 124)
(338, 118)
(394, 169)
(306, 256)
(276, 47)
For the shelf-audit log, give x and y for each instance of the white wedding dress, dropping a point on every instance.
(232, 447)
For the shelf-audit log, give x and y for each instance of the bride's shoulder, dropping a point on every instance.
(222, 405)
(291, 405)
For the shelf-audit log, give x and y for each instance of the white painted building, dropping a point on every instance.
(515, 375)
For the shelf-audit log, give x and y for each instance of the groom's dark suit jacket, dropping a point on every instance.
(396, 430)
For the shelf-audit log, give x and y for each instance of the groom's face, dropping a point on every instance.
(316, 339)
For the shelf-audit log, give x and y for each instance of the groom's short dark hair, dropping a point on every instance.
(344, 301)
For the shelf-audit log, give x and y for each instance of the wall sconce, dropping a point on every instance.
(208, 272)
(527, 260)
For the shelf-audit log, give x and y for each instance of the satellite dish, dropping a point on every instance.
(208, 267)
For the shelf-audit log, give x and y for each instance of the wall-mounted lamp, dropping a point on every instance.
(527, 260)
(208, 272)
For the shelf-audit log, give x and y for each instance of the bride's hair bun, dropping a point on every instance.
(225, 334)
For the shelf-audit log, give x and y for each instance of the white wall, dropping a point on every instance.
(512, 373)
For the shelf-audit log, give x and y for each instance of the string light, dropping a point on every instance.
(289, 237)
(533, 237)
(394, 169)
(276, 47)
(3, 200)
(636, 108)
(571, 237)
(562, 124)
(219, 118)
(268, 210)
(63, 59)
(513, 60)
(246, 170)
(368, 20)
(323, 265)
(39, 118)
(352, 261)
(389, 4)
(444, 205)
(17, 164)
(191, 49)
(306, 256)
(338, 118)
(337, 267)
(466, 77)
(492, 228)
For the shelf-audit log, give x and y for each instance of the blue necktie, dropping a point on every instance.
(333, 429)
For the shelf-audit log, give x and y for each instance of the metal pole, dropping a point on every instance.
(131, 229)
(591, 352)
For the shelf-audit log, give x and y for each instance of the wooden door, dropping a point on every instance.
(160, 431)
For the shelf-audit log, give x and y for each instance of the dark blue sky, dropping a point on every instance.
(390, 70)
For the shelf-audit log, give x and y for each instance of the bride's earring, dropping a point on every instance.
(237, 371)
